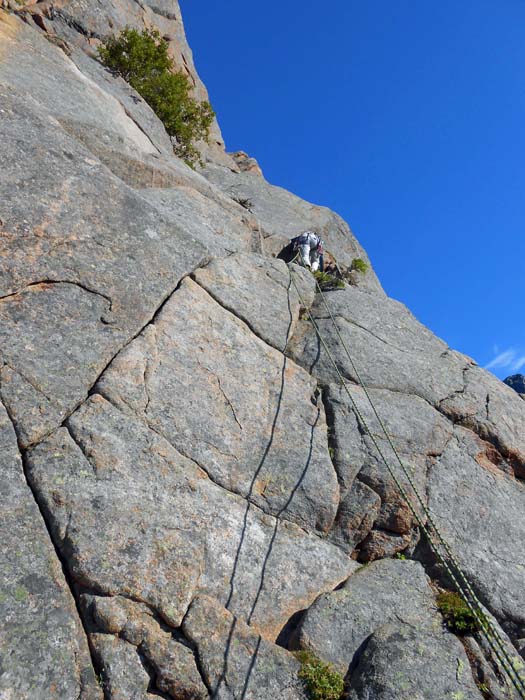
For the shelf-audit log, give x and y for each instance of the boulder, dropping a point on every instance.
(395, 666)
(338, 625)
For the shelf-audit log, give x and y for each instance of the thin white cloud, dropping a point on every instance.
(508, 358)
(518, 364)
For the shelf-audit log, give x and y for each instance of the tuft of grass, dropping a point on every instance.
(322, 681)
(142, 59)
(483, 688)
(328, 282)
(401, 556)
(360, 265)
(456, 613)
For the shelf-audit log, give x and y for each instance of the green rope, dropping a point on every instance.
(455, 571)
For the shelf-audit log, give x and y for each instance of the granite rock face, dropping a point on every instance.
(395, 666)
(338, 625)
(186, 486)
(236, 662)
(43, 650)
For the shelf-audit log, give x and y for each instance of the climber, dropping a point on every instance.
(306, 249)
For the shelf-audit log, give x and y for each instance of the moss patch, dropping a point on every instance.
(322, 681)
(456, 613)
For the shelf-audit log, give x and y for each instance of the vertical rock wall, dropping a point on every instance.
(188, 493)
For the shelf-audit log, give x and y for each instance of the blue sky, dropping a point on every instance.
(407, 118)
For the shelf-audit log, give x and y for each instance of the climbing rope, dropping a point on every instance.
(452, 567)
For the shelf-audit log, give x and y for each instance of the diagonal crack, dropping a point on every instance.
(50, 282)
(63, 563)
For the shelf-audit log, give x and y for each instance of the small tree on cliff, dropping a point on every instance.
(142, 60)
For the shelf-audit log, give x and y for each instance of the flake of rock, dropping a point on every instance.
(487, 524)
(245, 163)
(170, 659)
(231, 403)
(43, 649)
(380, 544)
(236, 662)
(133, 517)
(357, 513)
(122, 674)
(260, 292)
(396, 662)
(338, 624)
(283, 214)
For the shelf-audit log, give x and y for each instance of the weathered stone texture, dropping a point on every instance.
(135, 518)
(237, 663)
(338, 625)
(390, 348)
(260, 292)
(84, 24)
(231, 403)
(481, 511)
(403, 663)
(419, 434)
(66, 219)
(137, 652)
(202, 475)
(43, 651)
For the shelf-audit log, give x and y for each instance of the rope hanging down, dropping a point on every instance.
(446, 557)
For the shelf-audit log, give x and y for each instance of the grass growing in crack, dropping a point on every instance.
(456, 613)
(328, 282)
(360, 265)
(322, 681)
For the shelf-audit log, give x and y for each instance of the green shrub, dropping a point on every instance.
(327, 282)
(359, 264)
(142, 60)
(322, 681)
(456, 613)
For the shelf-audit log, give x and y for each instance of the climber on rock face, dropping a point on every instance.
(305, 249)
(309, 246)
